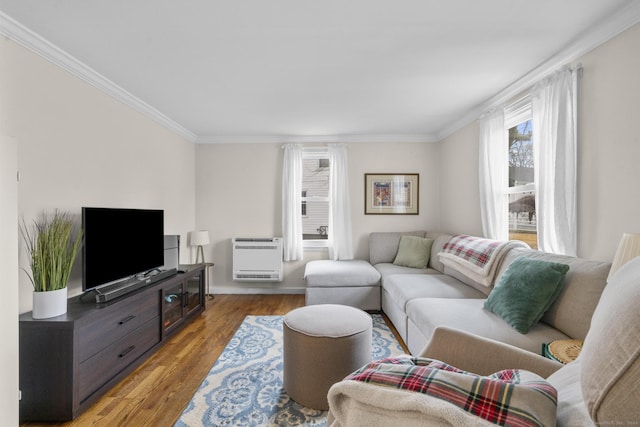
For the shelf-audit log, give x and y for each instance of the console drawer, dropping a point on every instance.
(99, 369)
(107, 329)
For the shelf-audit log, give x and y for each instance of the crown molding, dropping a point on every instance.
(618, 22)
(23, 36)
(605, 30)
(319, 139)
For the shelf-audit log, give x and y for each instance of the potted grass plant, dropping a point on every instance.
(52, 250)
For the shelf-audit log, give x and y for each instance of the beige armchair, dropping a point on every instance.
(602, 387)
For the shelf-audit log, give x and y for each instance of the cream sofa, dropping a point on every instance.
(417, 301)
(599, 388)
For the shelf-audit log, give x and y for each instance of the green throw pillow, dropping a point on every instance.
(413, 252)
(525, 291)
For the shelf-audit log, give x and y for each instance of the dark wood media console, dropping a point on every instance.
(69, 361)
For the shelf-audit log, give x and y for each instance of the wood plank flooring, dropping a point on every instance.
(159, 390)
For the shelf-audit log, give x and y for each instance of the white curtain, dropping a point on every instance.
(554, 110)
(292, 202)
(493, 175)
(340, 233)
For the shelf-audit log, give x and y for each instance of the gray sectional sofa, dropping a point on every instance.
(417, 300)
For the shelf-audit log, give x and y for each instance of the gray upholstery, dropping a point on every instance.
(471, 316)
(383, 246)
(571, 408)
(572, 310)
(404, 289)
(386, 268)
(350, 282)
(467, 280)
(610, 372)
(399, 289)
(321, 345)
(362, 297)
(329, 273)
(599, 388)
(439, 240)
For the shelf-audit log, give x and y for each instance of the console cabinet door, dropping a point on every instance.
(182, 300)
(172, 307)
(194, 298)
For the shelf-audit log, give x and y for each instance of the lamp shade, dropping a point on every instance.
(628, 248)
(199, 238)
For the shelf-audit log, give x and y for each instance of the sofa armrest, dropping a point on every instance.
(483, 356)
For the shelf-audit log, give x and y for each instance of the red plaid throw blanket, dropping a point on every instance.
(508, 398)
(475, 257)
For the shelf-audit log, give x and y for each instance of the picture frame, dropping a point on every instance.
(391, 193)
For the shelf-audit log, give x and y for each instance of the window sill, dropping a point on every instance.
(315, 245)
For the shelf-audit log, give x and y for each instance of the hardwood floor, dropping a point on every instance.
(159, 390)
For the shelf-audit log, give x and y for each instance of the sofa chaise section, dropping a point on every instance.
(352, 282)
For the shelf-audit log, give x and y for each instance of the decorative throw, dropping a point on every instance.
(511, 397)
(475, 257)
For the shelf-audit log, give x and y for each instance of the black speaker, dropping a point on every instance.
(171, 252)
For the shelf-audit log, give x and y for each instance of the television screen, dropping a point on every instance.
(120, 243)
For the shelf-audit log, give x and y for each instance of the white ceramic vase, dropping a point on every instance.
(49, 304)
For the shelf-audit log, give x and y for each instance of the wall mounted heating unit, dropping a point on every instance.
(257, 259)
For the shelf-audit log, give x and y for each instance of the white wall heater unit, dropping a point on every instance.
(257, 259)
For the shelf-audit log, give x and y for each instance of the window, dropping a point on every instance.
(521, 186)
(315, 196)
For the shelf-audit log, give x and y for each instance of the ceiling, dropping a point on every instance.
(249, 70)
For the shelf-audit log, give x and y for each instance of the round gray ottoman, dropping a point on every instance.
(322, 345)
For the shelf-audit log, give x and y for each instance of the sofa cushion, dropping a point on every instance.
(329, 273)
(383, 246)
(469, 315)
(386, 269)
(402, 288)
(413, 252)
(467, 280)
(572, 310)
(439, 240)
(610, 356)
(571, 408)
(526, 291)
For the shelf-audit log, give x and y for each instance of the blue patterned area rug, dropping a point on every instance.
(244, 386)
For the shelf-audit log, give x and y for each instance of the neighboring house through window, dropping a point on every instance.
(315, 196)
(316, 203)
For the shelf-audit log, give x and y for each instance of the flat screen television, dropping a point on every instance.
(120, 244)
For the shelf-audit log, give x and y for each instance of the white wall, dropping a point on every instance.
(9, 281)
(80, 147)
(459, 191)
(608, 153)
(609, 145)
(238, 194)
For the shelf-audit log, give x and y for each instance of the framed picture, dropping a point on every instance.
(391, 193)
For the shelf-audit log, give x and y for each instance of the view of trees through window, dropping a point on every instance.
(522, 198)
(315, 199)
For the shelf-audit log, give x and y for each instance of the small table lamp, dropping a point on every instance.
(199, 238)
(628, 248)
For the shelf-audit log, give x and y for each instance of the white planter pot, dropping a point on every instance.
(49, 304)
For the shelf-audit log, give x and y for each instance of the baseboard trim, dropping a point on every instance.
(256, 291)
